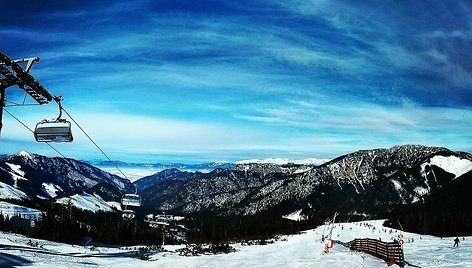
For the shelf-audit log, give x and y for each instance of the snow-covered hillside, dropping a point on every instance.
(45, 178)
(88, 202)
(9, 192)
(50, 189)
(303, 250)
(451, 164)
(10, 210)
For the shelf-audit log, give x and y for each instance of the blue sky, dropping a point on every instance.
(200, 81)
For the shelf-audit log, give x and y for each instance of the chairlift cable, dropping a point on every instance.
(24, 98)
(19, 121)
(17, 104)
(96, 145)
(128, 214)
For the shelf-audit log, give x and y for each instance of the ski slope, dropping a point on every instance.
(11, 210)
(302, 250)
(451, 164)
(51, 189)
(86, 201)
(9, 192)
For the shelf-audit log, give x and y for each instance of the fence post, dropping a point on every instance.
(402, 258)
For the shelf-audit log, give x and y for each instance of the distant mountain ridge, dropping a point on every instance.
(162, 166)
(206, 167)
(285, 161)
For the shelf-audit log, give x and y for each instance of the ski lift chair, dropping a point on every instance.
(131, 200)
(128, 214)
(53, 131)
(58, 130)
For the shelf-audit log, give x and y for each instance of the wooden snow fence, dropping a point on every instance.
(391, 252)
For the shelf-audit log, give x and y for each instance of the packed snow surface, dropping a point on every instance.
(86, 201)
(302, 250)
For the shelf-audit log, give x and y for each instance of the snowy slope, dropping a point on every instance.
(16, 169)
(9, 192)
(45, 177)
(86, 201)
(115, 205)
(11, 210)
(303, 250)
(295, 216)
(451, 164)
(16, 173)
(51, 189)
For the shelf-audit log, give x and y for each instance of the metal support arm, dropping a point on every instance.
(29, 62)
(11, 73)
(2, 104)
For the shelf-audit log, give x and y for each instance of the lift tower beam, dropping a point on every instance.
(11, 73)
(2, 104)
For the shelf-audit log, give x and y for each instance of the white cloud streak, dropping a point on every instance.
(182, 84)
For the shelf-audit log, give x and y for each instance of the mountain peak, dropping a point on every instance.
(24, 154)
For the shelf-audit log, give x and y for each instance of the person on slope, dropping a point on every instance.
(456, 242)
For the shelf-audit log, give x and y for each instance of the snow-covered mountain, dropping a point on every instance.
(42, 177)
(366, 181)
(363, 181)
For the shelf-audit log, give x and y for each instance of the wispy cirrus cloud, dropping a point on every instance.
(287, 78)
